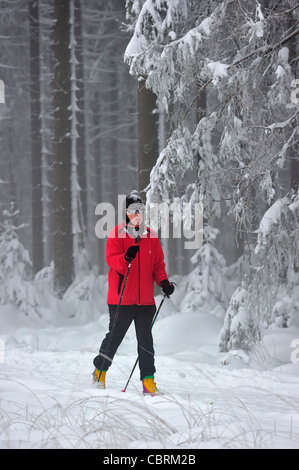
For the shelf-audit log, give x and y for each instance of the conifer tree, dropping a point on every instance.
(63, 229)
(15, 265)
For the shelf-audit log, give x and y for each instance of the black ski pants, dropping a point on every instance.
(143, 317)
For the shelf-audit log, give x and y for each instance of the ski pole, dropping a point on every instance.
(153, 322)
(115, 319)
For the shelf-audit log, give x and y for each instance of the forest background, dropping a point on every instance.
(187, 101)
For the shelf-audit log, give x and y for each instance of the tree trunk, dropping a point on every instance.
(80, 143)
(36, 145)
(63, 237)
(293, 59)
(148, 144)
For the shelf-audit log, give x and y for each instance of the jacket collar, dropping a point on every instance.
(130, 229)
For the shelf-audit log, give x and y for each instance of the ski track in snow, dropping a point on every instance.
(47, 400)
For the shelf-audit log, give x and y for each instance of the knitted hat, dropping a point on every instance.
(133, 198)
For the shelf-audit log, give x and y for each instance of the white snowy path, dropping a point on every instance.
(47, 401)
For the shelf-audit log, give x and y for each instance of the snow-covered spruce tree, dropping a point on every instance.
(271, 294)
(241, 329)
(238, 56)
(207, 287)
(14, 262)
(277, 271)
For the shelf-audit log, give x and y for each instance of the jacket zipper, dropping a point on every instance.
(139, 273)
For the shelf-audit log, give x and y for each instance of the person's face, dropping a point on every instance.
(135, 213)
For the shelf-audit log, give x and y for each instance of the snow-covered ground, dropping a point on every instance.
(211, 399)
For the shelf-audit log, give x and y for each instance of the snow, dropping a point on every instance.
(205, 25)
(280, 72)
(218, 69)
(211, 399)
(270, 217)
(283, 55)
(257, 27)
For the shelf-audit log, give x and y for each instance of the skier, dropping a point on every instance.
(132, 243)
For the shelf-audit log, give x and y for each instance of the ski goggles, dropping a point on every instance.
(135, 210)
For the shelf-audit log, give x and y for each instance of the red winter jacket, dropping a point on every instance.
(148, 266)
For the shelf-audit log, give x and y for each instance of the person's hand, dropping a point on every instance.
(131, 253)
(167, 287)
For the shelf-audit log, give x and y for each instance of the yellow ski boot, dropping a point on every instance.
(98, 378)
(150, 387)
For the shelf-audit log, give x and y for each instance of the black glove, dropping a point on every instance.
(167, 287)
(131, 253)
